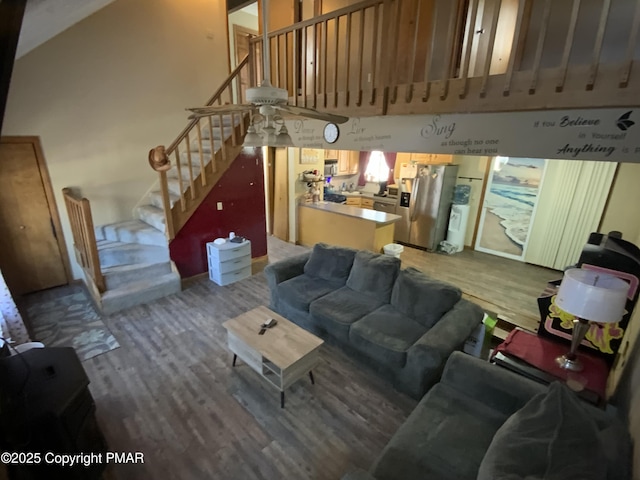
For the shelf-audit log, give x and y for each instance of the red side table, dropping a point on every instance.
(533, 356)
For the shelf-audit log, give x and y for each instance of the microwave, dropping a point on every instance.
(330, 168)
(392, 191)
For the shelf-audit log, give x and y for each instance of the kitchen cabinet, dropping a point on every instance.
(426, 158)
(354, 201)
(354, 162)
(431, 158)
(331, 154)
(367, 203)
(348, 161)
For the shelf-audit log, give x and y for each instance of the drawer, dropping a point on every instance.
(367, 202)
(230, 265)
(230, 277)
(353, 201)
(229, 252)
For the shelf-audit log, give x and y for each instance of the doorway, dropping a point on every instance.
(33, 253)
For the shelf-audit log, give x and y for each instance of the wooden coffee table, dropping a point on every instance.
(283, 355)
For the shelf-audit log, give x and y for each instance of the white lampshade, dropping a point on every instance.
(252, 139)
(592, 295)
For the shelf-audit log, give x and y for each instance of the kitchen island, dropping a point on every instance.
(345, 225)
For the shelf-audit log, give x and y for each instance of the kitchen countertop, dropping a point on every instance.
(370, 196)
(381, 218)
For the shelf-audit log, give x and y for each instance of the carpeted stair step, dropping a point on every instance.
(154, 216)
(119, 253)
(141, 291)
(174, 185)
(132, 231)
(156, 199)
(184, 171)
(120, 275)
(195, 159)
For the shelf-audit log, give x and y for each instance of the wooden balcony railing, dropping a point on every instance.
(84, 238)
(197, 173)
(382, 57)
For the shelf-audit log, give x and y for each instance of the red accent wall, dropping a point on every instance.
(241, 191)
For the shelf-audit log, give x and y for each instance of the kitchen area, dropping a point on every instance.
(386, 198)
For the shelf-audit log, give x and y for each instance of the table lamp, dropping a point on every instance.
(590, 296)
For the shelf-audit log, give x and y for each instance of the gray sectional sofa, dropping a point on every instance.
(401, 322)
(486, 423)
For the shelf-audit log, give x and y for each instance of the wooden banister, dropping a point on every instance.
(84, 238)
(201, 174)
(474, 56)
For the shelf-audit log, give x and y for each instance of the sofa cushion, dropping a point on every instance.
(300, 291)
(338, 310)
(330, 263)
(422, 298)
(374, 274)
(444, 438)
(552, 437)
(385, 335)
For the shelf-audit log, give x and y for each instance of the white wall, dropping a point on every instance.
(111, 87)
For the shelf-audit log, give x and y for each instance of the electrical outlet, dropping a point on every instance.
(219, 205)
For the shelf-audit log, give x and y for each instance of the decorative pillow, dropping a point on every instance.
(422, 298)
(551, 438)
(330, 263)
(374, 274)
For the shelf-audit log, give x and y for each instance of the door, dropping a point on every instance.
(241, 38)
(32, 250)
(281, 195)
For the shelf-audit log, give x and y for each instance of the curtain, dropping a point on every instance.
(10, 320)
(362, 167)
(390, 158)
(570, 205)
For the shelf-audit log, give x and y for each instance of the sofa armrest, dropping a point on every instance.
(285, 269)
(496, 387)
(427, 357)
(281, 271)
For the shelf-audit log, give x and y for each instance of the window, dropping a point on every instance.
(377, 169)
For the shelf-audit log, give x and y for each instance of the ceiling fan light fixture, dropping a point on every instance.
(283, 139)
(252, 139)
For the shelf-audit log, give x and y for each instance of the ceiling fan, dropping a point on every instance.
(268, 104)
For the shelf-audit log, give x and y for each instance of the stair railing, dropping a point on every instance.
(197, 185)
(399, 57)
(84, 237)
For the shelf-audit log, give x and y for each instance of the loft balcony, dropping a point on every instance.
(399, 57)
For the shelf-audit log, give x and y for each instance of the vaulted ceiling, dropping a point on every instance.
(44, 19)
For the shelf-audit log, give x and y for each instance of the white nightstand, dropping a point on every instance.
(229, 262)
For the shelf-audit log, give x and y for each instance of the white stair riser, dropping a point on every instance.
(153, 216)
(126, 255)
(117, 278)
(158, 287)
(144, 236)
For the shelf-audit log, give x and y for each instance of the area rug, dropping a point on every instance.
(65, 317)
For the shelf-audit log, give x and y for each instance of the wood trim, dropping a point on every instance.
(485, 180)
(51, 199)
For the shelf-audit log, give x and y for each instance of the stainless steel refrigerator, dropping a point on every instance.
(424, 205)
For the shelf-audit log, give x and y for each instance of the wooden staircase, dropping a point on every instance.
(128, 263)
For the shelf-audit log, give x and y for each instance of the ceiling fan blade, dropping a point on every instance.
(310, 113)
(213, 109)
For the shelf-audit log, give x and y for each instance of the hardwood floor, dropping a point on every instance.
(170, 392)
(506, 287)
